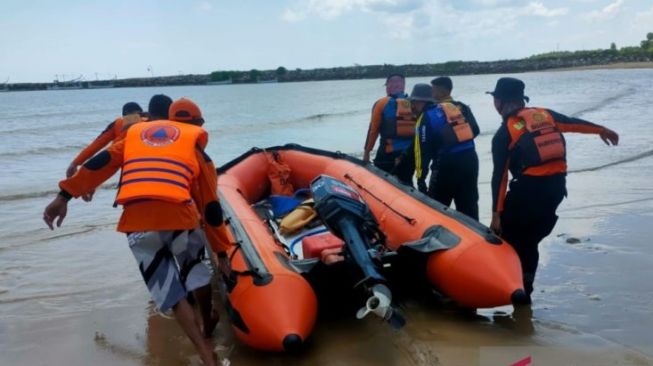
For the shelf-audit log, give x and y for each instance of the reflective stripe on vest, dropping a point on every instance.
(159, 161)
(538, 141)
(418, 151)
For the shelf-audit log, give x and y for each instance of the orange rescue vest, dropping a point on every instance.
(457, 130)
(279, 175)
(405, 121)
(400, 123)
(538, 142)
(159, 161)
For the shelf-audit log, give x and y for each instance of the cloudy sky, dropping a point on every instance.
(41, 39)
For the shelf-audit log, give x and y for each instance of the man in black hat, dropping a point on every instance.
(446, 133)
(529, 144)
(393, 121)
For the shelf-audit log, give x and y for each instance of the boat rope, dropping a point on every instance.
(408, 219)
(249, 272)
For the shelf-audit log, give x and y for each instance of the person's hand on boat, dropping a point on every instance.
(366, 156)
(495, 225)
(72, 169)
(609, 137)
(56, 209)
(421, 185)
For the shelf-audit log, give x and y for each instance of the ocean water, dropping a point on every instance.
(83, 270)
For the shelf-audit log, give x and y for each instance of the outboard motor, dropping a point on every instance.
(347, 216)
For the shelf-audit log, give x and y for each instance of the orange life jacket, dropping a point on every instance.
(159, 161)
(457, 130)
(405, 125)
(537, 141)
(279, 175)
(399, 122)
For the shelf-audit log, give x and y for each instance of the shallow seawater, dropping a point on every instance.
(74, 296)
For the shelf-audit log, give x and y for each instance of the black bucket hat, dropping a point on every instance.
(509, 89)
(422, 92)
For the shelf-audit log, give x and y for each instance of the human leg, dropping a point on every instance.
(466, 187)
(440, 186)
(528, 217)
(154, 255)
(196, 276)
(185, 316)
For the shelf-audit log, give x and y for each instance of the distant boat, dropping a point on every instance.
(222, 82)
(65, 86)
(267, 81)
(101, 85)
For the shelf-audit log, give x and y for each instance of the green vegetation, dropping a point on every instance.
(222, 75)
(544, 61)
(647, 44)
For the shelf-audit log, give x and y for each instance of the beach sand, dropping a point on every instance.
(586, 312)
(618, 65)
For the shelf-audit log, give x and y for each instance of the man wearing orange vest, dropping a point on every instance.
(116, 130)
(393, 121)
(166, 179)
(445, 139)
(113, 132)
(529, 144)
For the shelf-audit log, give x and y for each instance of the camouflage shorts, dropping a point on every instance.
(170, 263)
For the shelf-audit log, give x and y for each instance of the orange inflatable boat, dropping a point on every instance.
(271, 304)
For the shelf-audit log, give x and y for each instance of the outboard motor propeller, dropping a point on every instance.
(347, 216)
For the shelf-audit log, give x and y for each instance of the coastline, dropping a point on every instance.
(451, 68)
(614, 66)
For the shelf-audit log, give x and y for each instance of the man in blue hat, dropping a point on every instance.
(529, 145)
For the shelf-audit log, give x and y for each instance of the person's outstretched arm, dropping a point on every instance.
(93, 173)
(91, 149)
(572, 124)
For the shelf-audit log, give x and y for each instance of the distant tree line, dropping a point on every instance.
(544, 61)
(549, 60)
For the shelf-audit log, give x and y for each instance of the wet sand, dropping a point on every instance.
(592, 304)
(578, 316)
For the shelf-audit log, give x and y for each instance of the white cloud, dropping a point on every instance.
(608, 12)
(538, 9)
(433, 19)
(643, 21)
(331, 9)
(292, 16)
(204, 6)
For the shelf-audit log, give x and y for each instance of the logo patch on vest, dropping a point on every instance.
(519, 125)
(160, 135)
(538, 117)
